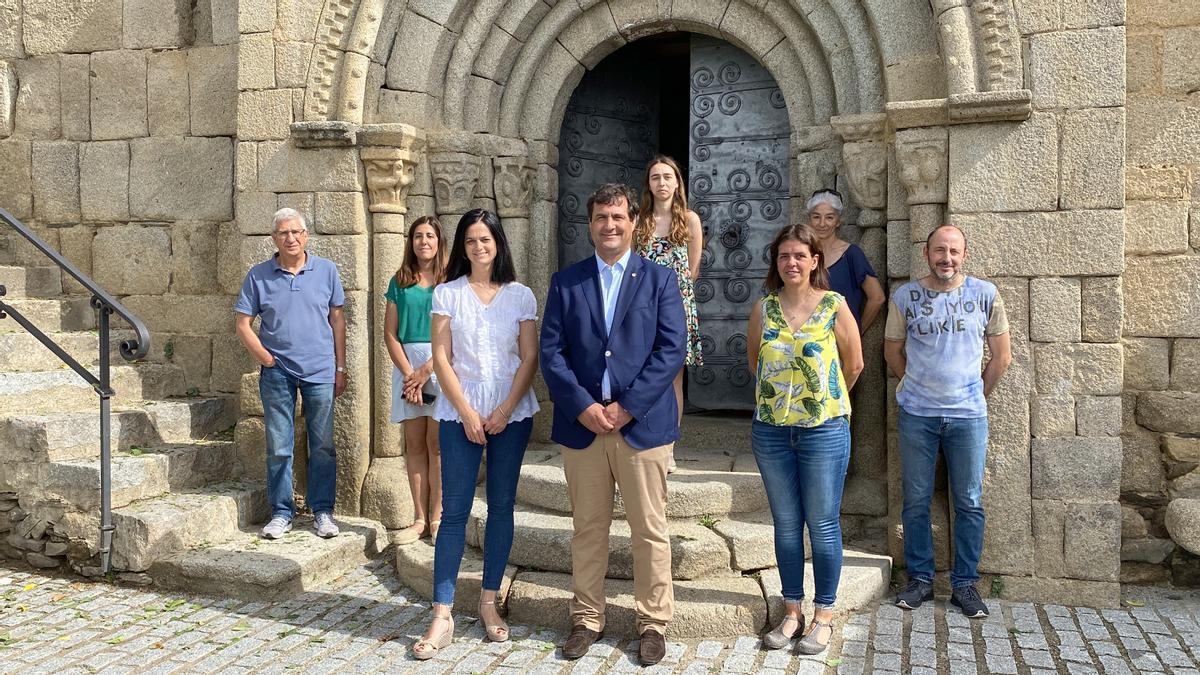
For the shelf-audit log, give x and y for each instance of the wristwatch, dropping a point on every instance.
(341, 369)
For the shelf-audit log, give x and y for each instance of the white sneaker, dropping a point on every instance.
(278, 527)
(326, 528)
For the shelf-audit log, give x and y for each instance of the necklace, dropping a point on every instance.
(794, 312)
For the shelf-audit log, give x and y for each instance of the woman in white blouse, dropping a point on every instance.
(485, 356)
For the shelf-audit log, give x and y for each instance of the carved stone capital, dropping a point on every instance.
(454, 177)
(922, 155)
(512, 179)
(865, 127)
(390, 174)
(866, 169)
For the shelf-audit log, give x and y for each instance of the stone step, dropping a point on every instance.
(542, 541)
(53, 437)
(414, 567)
(728, 432)
(21, 352)
(30, 282)
(63, 389)
(151, 472)
(152, 529)
(180, 420)
(247, 567)
(51, 316)
(707, 482)
(866, 577)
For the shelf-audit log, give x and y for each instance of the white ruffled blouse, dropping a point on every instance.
(485, 348)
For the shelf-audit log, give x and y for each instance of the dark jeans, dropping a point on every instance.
(460, 470)
(278, 392)
(804, 472)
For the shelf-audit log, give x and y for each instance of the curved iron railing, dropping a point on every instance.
(131, 350)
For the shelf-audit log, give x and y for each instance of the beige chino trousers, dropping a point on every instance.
(641, 476)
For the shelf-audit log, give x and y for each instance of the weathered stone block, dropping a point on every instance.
(167, 112)
(1004, 167)
(1185, 365)
(11, 46)
(1141, 467)
(1148, 550)
(255, 211)
(75, 243)
(291, 63)
(196, 314)
(56, 181)
(264, 115)
(1093, 159)
(1162, 132)
(407, 68)
(71, 25)
(39, 106)
(132, 260)
(1076, 468)
(212, 90)
(157, 23)
(1154, 307)
(1068, 243)
(1181, 73)
(230, 362)
(1098, 415)
(386, 495)
(1173, 411)
(76, 92)
(1078, 68)
(256, 62)
(1147, 364)
(194, 258)
(181, 178)
(284, 168)
(1156, 227)
(1143, 63)
(1162, 183)
(1133, 525)
(1078, 368)
(118, 95)
(1052, 416)
(1183, 523)
(104, 180)
(249, 399)
(340, 213)
(1092, 540)
(255, 16)
(1091, 13)
(16, 187)
(1186, 486)
(1055, 314)
(1049, 517)
(349, 253)
(1102, 309)
(245, 176)
(1182, 449)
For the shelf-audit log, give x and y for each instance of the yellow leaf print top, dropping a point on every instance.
(799, 375)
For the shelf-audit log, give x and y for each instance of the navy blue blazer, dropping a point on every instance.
(643, 352)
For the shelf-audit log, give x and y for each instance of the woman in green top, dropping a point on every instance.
(414, 386)
(804, 349)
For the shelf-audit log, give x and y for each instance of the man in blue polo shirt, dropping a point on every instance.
(301, 345)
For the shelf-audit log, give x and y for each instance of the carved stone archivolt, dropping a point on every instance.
(390, 153)
(512, 179)
(922, 156)
(454, 177)
(866, 172)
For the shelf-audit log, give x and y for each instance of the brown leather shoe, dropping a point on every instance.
(579, 641)
(653, 647)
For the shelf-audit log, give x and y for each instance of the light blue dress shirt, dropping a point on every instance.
(610, 288)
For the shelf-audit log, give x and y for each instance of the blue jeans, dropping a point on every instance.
(460, 470)
(278, 392)
(804, 472)
(963, 441)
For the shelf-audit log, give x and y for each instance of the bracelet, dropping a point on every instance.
(501, 407)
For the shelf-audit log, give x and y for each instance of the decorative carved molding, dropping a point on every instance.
(8, 98)
(866, 168)
(390, 155)
(999, 44)
(922, 155)
(990, 106)
(324, 134)
(323, 69)
(454, 177)
(865, 127)
(512, 179)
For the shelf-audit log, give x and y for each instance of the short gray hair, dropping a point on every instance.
(824, 197)
(287, 214)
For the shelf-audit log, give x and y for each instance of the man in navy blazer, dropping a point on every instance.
(612, 341)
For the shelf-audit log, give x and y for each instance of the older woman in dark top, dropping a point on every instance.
(850, 274)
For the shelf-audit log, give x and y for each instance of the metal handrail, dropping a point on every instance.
(131, 350)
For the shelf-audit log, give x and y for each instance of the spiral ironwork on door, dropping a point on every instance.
(739, 187)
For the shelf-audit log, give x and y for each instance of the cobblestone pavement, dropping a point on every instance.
(366, 621)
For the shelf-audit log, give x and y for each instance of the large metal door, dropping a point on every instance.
(609, 133)
(739, 188)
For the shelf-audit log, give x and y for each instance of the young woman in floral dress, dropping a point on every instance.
(669, 234)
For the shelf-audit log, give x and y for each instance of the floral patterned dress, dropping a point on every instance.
(675, 256)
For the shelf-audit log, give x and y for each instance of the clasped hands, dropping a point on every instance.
(601, 419)
(477, 427)
(415, 381)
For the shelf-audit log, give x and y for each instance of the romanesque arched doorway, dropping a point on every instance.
(716, 110)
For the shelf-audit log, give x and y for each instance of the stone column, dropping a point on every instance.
(956, 36)
(390, 154)
(512, 180)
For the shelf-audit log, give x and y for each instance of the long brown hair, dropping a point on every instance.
(409, 273)
(799, 232)
(679, 225)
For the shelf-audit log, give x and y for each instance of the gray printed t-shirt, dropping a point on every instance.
(943, 334)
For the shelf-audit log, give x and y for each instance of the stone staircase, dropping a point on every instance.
(185, 515)
(722, 552)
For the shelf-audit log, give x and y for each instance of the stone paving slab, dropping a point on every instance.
(366, 621)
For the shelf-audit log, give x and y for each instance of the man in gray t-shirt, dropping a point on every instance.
(936, 329)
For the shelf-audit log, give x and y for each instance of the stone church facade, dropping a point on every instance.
(150, 141)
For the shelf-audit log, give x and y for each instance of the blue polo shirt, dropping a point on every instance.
(294, 314)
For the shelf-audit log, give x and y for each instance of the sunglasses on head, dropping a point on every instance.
(822, 191)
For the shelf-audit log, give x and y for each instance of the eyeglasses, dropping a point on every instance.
(286, 234)
(822, 191)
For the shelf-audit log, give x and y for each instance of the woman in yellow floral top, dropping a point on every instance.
(804, 349)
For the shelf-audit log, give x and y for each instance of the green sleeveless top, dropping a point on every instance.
(799, 375)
